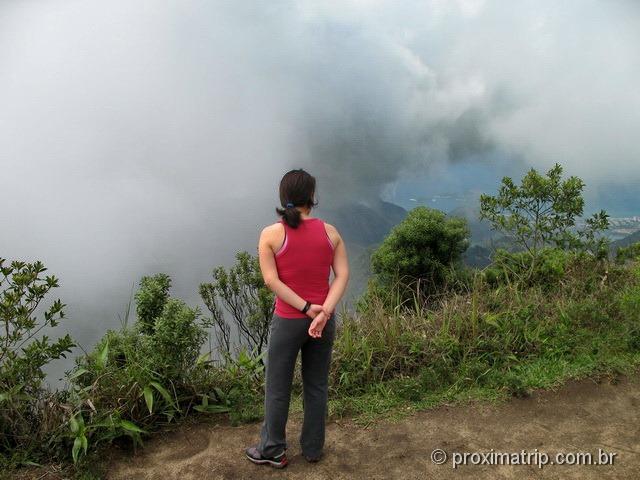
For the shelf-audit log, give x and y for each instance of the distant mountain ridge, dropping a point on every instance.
(626, 241)
(365, 225)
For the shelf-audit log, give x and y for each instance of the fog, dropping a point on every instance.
(146, 136)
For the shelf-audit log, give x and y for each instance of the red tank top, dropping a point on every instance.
(304, 264)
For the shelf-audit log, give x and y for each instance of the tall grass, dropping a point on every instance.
(496, 336)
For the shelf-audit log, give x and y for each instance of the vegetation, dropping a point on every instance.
(497, 338)
(245, 297)
(136, 380)
(630, 252)
(426, 331)
(422, 252)
(541, 211)
(27, 412)
(139, 376)
(150, 300)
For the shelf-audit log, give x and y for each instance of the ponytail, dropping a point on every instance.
(290, 214)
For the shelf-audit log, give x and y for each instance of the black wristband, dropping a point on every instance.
(306, 307)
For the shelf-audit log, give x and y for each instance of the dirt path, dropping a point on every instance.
(580, 417)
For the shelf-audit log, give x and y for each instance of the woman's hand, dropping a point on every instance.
(313, 310)
(316, 327)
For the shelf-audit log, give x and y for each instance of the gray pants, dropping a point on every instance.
(287, 336)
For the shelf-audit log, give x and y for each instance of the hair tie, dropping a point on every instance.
(290, 205)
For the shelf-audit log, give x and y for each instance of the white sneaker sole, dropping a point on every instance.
(266, 461)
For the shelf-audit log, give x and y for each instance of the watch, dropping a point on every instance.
(306, 307)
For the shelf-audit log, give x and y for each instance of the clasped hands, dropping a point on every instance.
(320, 316)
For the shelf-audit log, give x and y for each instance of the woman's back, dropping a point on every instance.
(304, 264)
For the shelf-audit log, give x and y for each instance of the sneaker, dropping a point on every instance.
(279, 461)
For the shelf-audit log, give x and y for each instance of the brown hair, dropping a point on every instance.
(297, 189)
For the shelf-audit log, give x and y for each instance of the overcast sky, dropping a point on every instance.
(145, 136)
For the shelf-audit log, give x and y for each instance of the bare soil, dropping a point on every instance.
(582, 416)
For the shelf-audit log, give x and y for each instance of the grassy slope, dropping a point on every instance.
(487, 343)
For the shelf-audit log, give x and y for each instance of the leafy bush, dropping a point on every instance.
(243, 294)
(150, 300)
(177, 339)
(422, 251)
(142, 376)
(630, 252)
(550, 268)
(26, 418)
(240, 387)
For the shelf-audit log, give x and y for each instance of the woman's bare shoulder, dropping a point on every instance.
(331, 228)
(272, 230)
(333, 233)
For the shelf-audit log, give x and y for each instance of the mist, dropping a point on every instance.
(150, 136)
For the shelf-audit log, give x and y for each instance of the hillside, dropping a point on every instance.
(626, 241)
(363, 227)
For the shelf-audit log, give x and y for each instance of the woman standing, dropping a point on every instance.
(296, 256)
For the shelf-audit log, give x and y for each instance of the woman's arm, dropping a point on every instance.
(340, 271)
(270, 271)
(336, 290)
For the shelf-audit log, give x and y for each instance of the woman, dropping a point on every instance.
(296, 255)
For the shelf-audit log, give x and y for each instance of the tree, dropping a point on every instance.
(243, 294)
(423, 247)
(541, 211)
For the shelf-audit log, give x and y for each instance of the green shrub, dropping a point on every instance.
(433, 377)
(243, 294)
(142, 376)
(178, 337)
(422, 251)
(27, 415)
(630, 252)
(240, 387)
(150, 300)
(554, 268)
(515, 384)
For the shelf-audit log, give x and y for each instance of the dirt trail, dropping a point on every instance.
(580, 417)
